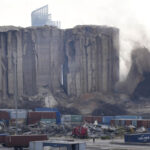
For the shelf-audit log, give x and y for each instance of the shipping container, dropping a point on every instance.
(148, 123)
(5, 122)
(127, 117)
(42, 115)
(76, 118)
(112, 123)
(2, 137)
(143, 123)
(139, 123)
(88, 119)
(18, 114)
(58, 115)
(128, 122)
(107, 119)
(117, 123)
(19, 121)
(134, 123)
(137, 138)
(33, 120)
(35, 117)
(11, 110)
(66, 118)
(124, 122)
(48, 121)
(97, 118)
(46, 109)
(22, 140)
(4, 115)
(92, 119)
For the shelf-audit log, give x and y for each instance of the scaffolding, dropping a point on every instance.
(40, 17)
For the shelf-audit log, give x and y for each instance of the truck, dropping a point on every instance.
(80, 132)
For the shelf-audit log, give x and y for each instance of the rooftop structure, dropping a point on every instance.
(67, 145)
(40, 17)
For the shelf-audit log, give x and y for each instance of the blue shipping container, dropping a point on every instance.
(128, 117)
(6, 122)
(4, 134)
(137, 138)
(46, 109)
(58, 115)
(107, 119)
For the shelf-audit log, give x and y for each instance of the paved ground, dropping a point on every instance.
(2, 148)
(107, 145)
(104, 145)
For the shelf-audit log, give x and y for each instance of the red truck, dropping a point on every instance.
(80, 132)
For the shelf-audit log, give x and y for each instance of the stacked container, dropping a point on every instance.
(58, 115)
(66, 118)
(125, 120)
(4, 117)
(137, 138)
(72, 119)
(92, 119)
(21, 116)
(143, 123)
(107, 119)
(76, 118)
(127, 117)
(35, 117)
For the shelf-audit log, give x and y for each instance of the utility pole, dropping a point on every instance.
(15, 88)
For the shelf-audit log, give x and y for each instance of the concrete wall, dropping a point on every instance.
(89, 56)
(91, 59)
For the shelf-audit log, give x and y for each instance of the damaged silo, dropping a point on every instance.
(91, 59)
(86, 57)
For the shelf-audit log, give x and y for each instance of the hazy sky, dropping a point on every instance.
(130, 16)
(72, 12)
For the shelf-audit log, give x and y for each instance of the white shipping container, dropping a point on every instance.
(21, 114)
(66, 118)
(36, 145)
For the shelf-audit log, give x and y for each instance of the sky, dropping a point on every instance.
(130, 16)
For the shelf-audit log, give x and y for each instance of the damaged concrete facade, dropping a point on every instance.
(83, 59)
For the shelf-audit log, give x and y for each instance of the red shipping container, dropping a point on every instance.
(92, 119)
(35, 117)
(145, 123)
(98, 118)
(142, 123)
(4, 115)
(139, 123)
(32, 120)
(128, 122)
(2, 138)
(148, 123)
(42, 115)
(112, 123)
(88, 119)
(22, 140)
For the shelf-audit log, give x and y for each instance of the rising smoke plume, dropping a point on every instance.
(137, 83)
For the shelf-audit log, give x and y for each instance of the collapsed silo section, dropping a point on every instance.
(91, 59)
